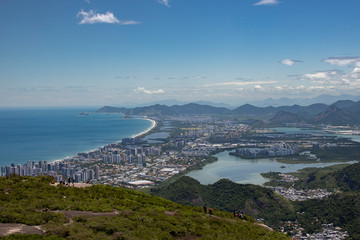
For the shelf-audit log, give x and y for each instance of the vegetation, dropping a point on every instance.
(342, 209)
(339, 113)
(256, 201)
(312, 178)
(337, 154)
(104, 212)
(342, 177)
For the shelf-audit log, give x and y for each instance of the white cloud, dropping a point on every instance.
(321, 75)
(143, 90)
(239, 83)
(316, 87)
(195, 77)
(267, 2)
(165, 2)
(356, 70)
(342, 61)
(289, 62)
(258, 87)
(92, 17)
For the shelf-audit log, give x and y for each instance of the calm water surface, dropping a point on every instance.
(248, 170)
(51, 134)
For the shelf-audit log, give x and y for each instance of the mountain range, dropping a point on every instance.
(343, 112)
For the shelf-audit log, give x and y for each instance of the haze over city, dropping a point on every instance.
(116, 52)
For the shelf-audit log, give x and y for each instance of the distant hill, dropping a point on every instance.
(282, 117)
(104, 212)
(341, 209)
(326, 99)
(334, 115)
(253, 200)
(348, 179)
(345, 112)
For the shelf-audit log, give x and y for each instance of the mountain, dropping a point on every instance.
(250, 110)
(108, 109)
(336, 116)
(344, 104)
(104, 212)
(163, 110)
(348, 179)
(256, 201)
(343, 112)
(215, 104)
(341, 209)
(326, 99)
(282, 117)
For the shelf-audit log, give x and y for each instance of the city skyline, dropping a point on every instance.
(93, 53)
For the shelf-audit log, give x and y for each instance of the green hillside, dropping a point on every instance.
(253, 200)
(338, 177)
(342, 209)
(104, 212)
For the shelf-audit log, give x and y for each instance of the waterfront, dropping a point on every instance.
(53, 134)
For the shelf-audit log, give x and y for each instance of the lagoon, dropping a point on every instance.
(241, 170)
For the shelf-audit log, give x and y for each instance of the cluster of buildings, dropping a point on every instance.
(287, 178)
(134, 155)
(273, 151)
(301, 195)
(328, 232)
(59, 170)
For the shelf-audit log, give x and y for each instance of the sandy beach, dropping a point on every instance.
(147, 130)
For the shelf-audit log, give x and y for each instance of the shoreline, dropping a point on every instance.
(153, 125)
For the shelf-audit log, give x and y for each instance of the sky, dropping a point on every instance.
(117, 52)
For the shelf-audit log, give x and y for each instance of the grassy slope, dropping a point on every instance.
(140, 216)
(253, 200)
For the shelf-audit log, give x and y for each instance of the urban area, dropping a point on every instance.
(187, 144)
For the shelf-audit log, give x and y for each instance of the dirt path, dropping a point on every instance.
(11, 228)
(78, 185)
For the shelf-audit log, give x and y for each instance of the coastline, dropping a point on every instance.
(153, 125)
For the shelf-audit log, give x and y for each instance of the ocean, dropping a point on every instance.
(53, 134)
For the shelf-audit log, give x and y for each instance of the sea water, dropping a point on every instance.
(53, 134)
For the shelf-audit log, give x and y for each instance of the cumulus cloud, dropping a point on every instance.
(165, 2)
(343, 61)
(289, 62)
(267, 2)
(92, 17)
(146, 91)
(258, 87)
(356, 70)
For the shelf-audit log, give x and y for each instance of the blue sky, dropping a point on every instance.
(112, 52)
